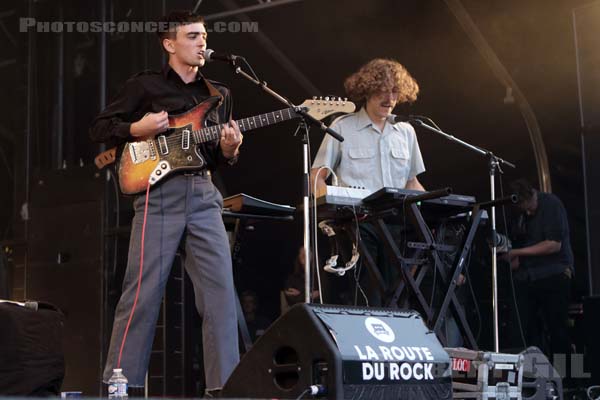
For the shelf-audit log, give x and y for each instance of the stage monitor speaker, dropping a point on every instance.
(540, 379)
(31, 354)
(344, 353)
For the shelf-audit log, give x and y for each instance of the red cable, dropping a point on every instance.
(139, 285)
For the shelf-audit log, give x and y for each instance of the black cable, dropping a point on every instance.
(434, 281)
(7, 165)
(12, 180)
(358, 287)
(433, 239)
(249, 67)
(403, 239)
(428, 120)
(510, 273)
(303, 394)
(472, 290)
(358, 268)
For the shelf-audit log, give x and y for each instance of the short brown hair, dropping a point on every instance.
(381, 75)
(174, 20)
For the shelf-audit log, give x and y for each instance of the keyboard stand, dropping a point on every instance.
(411, 278)
(449, 284)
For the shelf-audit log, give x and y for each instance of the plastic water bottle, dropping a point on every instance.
(117, 385)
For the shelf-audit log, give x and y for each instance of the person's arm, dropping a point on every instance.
(292, 292)
(327, 156)
(414, 184)
(553, 228)
(150, 125)
(117, 120)
(320, 178)
(542, 248)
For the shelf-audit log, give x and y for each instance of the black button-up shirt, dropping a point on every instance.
(549, 222)
(154, 92)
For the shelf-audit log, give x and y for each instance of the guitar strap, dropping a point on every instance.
(106, 158)
(213, 116)
(214, 92)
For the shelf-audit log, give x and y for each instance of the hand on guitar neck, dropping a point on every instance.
(231, 139)
(150, 125)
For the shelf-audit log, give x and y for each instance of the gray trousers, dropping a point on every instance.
(181, 208)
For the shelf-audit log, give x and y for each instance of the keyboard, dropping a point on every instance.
(395, 195)
(388, 197)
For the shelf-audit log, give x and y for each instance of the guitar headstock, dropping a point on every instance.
(322, 107)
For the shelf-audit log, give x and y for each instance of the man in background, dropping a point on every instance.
(543, 263)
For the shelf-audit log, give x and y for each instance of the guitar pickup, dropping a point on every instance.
(163, 146)
(185, 139)
(142, 151)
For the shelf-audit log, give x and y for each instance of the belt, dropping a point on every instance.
(199, 172)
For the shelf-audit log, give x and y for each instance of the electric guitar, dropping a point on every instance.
(152, 159)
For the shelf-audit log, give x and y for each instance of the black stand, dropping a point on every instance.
(494, 164)
(435, 209)
(306, 118)
(413, 269)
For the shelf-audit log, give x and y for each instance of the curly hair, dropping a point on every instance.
(381, 75)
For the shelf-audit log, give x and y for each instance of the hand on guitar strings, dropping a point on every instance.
(150, 125)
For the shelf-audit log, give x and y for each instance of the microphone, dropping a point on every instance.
(211, 55)
(414, 120)
(402, 118)
(406, 118)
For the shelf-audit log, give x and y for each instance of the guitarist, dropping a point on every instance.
(183, 208)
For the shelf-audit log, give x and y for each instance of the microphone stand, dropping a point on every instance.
(494, 163)
(305, 117)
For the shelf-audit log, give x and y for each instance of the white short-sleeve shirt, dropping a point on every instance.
(369, 158)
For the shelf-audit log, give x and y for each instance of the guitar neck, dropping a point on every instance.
(211, 133)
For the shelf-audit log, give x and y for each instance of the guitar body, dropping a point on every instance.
(151, 159)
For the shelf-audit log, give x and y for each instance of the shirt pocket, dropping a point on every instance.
(400, 162)
(361, 163)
